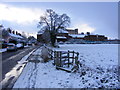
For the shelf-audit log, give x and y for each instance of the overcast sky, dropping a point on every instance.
(95, 17)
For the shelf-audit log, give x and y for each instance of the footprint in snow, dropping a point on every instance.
(111, 60)
(59, 83)
(67, 81)
(45, 73)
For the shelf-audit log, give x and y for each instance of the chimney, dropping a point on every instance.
(76, 31)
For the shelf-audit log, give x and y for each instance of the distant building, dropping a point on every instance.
(39, 37)
(115, 41)
(43, 36)
(72, 31)
(14, 36)
(77, 36)
(66, 34)
(95, 38)
(62, 35)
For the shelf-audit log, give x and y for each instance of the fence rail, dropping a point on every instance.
(63, 58)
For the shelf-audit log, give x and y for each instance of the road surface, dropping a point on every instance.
(10, 59)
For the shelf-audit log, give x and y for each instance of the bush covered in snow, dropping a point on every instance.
(45, 54)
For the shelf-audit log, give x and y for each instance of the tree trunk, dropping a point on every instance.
(53, 38)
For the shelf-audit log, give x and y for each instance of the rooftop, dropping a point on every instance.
(77, 35)
(62, 31)
(14, 35)
(40, 32)
(63, 37)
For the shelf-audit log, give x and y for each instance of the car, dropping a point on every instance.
(11, 47)
(4, 45)
(20, 45)
(61, 42)
(29, 44)
(23, 43)
(67, 42)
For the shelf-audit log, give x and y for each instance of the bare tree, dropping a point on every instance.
(1, 28)
(13, 32)
(9, 30)
(46, 36)
(3, 32)
(88, 33)
(16, 33)
(24, 35)
(53, 22)
(82, 33)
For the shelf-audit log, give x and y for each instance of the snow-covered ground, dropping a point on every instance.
(99, 69)
(104, 55)
(3, 50)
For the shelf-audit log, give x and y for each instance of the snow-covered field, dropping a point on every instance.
(98, 70)
(104, 55)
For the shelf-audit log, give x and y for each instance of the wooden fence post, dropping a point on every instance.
(60, 59)
(73, 57)
(68, 58)
(77, 55)
(76, 59)
(55, 57)
(51, 52)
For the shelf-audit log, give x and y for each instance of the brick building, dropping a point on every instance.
(95, 38)
(72, 31)
(62, 35)
(66, 34)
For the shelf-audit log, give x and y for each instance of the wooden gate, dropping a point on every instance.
(64, 60)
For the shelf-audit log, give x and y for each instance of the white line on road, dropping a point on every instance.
(13, 57)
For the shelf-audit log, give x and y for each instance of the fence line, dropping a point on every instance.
(62, 58)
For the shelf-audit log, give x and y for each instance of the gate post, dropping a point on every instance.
(68, 58)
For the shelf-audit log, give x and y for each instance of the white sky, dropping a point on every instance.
(19, 15)
(25, 17)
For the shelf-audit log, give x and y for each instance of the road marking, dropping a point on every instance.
(13, 56)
